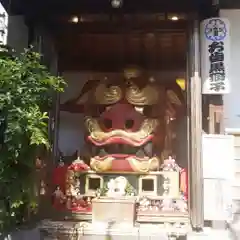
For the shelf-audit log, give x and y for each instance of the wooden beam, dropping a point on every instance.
(40, 9)
(98, 66)
(66, 28)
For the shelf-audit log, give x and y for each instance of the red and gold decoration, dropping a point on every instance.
(128, 125)
(127, 121)
(67, 194)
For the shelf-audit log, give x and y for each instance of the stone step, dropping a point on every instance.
(237, 165)
(88, 231)
(236, 192)
(237, 141)
(236, 206)
(236, 152)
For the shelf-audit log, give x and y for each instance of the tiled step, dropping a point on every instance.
(237, 152)
(236, 182)
(237, 141)
(236, 192)
(236, 206)
(237, 165)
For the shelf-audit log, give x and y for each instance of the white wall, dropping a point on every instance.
(71, 125)
(232, 100)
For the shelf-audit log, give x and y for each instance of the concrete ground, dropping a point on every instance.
(208, 234)
(32, 234)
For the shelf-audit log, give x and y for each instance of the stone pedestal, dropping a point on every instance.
(65, 230)
(113, 211)
(210, 234)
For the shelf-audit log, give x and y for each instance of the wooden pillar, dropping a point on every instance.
(44, 44)
(51, 61)
(195, 161)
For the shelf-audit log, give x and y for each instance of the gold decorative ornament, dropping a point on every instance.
(107, 95)
(152, 164)
(147, 128)
(148, 95)
(145, 166)
(181, 83)
(101, 166)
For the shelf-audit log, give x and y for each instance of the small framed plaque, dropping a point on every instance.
(148, 185)
(93, 183)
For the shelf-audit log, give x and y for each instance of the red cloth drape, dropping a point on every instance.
(59, 176)
(184, 183)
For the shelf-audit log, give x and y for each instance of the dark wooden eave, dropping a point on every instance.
(44, 7)
(120, 25)
(113, 51)
(108, 44)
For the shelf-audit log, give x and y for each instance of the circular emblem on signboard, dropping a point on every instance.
(215, 30)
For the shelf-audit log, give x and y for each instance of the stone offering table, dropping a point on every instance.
(107, 210)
